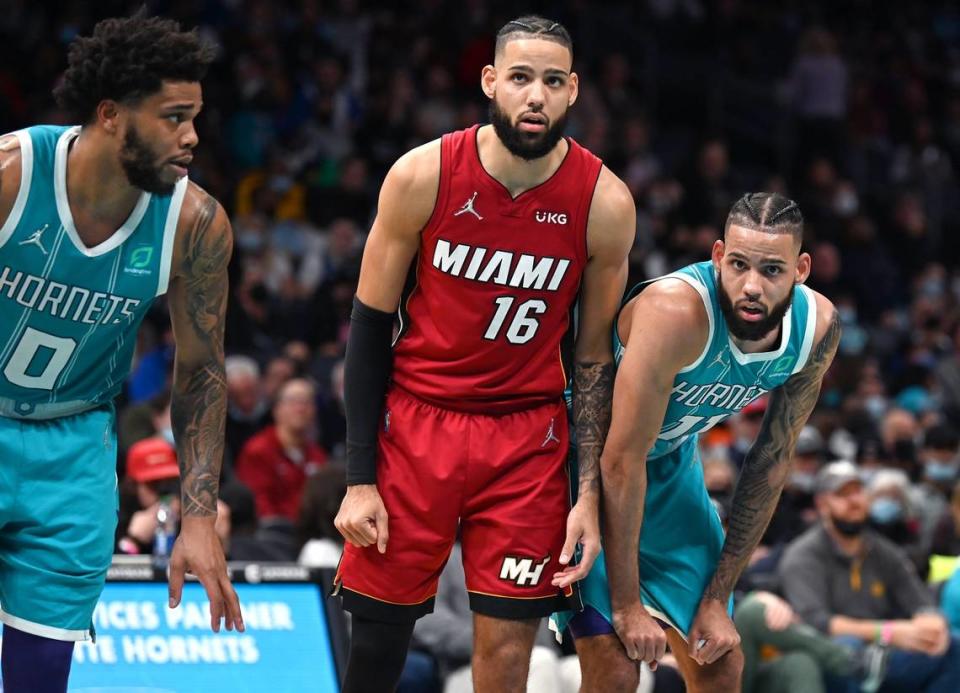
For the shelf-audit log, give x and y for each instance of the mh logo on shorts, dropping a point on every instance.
(522, 571)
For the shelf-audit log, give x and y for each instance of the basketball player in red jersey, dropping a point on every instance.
(511, 225)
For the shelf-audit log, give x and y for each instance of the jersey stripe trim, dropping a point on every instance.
(811, 328)
(169, 234)
(708, 306)
(63, 204)
(43, 631)
(26, 176)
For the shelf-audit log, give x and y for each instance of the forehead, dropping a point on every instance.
(176, 94)
(537, 53)
(760, 244)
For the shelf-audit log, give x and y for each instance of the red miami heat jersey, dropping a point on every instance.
(496, 278)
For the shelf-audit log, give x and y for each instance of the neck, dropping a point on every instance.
(290, 438)
(755, 346)
(851, 546)
(516, 174)
(97, 187)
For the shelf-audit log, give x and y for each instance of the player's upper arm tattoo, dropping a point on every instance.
(592, 405)
(199, 400)
(766, 465)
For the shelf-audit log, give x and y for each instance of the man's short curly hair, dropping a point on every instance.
(127, 59)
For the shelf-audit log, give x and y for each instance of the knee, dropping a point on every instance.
(723, 675)
(507, 651)
(625, 677)
(801, 665)
(750, 613)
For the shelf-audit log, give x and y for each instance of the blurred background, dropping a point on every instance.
(852, 109)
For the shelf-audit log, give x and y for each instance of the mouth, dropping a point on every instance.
(751, 313)
(181, 165)
(532, 122)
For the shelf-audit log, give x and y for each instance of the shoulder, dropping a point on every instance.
(673, 311)
(810, 543)
(11, 159)
(826, 316)
(613, 214)
(203, 233)
(418, 171)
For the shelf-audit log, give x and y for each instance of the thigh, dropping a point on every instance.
(420, 470)
(514, 519)
(722, 675)
(58, 540)
(681, 537)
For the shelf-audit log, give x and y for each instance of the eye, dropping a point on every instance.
(555, 81)
(175, 117)
(773, 270)
(739, 265)
(518, 77)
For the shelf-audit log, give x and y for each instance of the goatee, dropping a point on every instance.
(744, 329)
(526, 145)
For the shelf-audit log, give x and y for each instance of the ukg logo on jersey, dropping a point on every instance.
(545, 217)
(140, 261)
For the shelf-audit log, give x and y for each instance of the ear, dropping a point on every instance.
(803, 268)
(488, 81)
(109, 116)
(574, 85)
(717, 253)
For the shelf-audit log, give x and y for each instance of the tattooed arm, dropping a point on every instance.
(198, 303)
(610, 231)
(765, 471)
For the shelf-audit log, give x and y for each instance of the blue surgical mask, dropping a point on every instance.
(876, 406)
(886, 511)
(167, 435)
(802, 481)
(935, 470)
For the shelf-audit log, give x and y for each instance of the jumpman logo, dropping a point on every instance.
(551, 436)
(720, 360)
(468, 207)
(35, 239)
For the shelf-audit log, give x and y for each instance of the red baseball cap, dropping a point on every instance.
(152, 459)
(757, 406)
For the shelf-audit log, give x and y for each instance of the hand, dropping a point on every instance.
(362, 519)
(583, 527)
(712, 634)
(934, 631)
(777, 613)
(198, 550)
(143, 524)
(642, 637)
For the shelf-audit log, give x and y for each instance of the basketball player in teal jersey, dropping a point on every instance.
(96, 221)
(693, 348)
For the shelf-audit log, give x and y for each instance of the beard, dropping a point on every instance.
(526, 145)
(744, 329)
(139, 165)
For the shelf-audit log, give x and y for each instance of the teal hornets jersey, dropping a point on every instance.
(723, 380)
(68, 313)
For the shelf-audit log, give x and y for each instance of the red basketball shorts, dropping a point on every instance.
(501, 481)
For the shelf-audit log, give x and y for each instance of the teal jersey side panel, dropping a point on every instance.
(723, 380)
(69, 313)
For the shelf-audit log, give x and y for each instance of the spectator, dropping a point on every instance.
(940, 460)
(247, 409)
(321, 543)
(276, 462)
(852, 584)
(891, 515)
(946, 536)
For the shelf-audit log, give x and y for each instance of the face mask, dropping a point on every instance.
(847, 314)
(845, 203)
(167, 435)
(936, 470)
(802, 481)
(875, 405)
(848, 529)
(866, 475)
(885, 511)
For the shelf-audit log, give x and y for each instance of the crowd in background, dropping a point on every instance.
(852, 109)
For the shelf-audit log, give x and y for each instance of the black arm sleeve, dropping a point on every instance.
(365, 374)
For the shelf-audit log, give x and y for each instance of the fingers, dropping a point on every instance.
(234, 615)
(175, 580)
(212, 586)
(569, 545)
(380, 533)
(705, 650)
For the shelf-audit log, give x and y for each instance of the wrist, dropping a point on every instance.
(884, 633)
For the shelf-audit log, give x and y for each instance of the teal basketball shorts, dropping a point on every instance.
(58, 516)
(680, 543)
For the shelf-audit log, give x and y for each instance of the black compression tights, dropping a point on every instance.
(378, 652)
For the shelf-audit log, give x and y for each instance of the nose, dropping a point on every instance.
(189, 139)
(535, 95)
(752, 286)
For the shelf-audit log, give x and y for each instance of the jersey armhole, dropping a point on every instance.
(586, 203)
(707, 305)
(810, 330)
(443, 182)
(170, 234)
(26, 176)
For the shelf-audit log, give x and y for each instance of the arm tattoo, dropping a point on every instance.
(199, 401)
(592, 402)
(766, 465)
